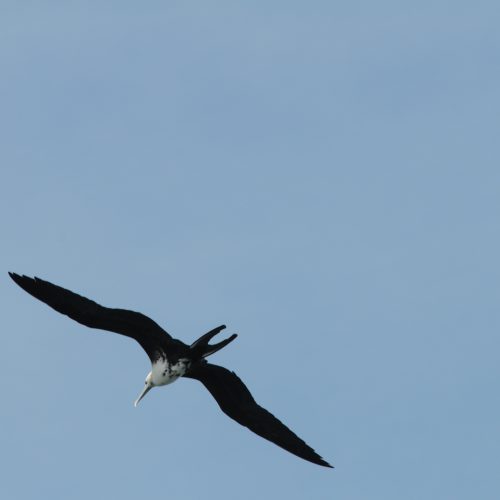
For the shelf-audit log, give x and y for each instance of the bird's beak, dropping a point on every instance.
(146, 389)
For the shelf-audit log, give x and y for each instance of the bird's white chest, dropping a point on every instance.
(164, 373)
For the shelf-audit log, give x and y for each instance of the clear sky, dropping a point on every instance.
(323, 177)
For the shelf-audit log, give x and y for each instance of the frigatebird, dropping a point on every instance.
(171, 359)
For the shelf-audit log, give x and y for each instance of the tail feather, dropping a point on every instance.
(201, 348)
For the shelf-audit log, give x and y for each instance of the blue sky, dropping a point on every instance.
(322, 178)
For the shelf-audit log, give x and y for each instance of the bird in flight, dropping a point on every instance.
(172, 358)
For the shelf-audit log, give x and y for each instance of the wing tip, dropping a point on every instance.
(17, 278)
(314, 458)
(324, 463)
(21, 279)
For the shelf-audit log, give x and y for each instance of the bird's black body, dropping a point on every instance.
(172, 358)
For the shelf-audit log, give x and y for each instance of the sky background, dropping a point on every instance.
(322, 177)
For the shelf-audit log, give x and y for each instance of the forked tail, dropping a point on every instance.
(201, 348)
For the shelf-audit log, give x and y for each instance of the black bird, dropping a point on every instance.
(171, 359)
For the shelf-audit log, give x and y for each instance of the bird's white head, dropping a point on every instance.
(148, 384)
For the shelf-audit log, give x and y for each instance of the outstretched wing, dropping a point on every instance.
(236, 402)
(87, 312)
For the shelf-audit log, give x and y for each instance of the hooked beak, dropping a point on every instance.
(143, 393)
